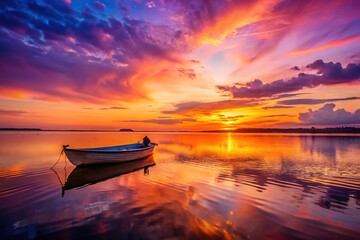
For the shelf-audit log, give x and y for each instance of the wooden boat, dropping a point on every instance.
(92, 174)
(113, 154)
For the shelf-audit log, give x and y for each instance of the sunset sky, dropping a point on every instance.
(179, 64)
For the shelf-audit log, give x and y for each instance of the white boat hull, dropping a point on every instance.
(114, 154)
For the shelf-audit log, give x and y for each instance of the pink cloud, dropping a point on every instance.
(12, 112)
(327, 116)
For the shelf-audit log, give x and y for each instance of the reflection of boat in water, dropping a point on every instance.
(87, 175)
(113, 154)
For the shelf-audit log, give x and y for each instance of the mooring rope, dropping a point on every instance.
(58, 159)
(62, 151)
(65, 162)
(57, 175)
(64, 146)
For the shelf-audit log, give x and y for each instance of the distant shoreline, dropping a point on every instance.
(337, 130)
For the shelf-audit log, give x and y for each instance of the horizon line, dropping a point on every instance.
(237, 130)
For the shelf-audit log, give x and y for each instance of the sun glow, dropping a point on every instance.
(228, 128)
(230, 143)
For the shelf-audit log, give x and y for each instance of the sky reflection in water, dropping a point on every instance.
(225, 186)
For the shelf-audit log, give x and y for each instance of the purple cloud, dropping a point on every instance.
(60, 75)
(67, 54)
(327, 74)
(287, 95)
(276, 107)
(100, 6)
(334, 73)
(163, 121)
(230, 118)
(277, 115)
(113, 108)
(207, 107)
(12, 112)
(327, 116)
(311, 101)
(188, 73)
(295, 68)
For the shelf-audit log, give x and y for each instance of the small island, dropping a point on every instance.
(21, 129)
(126, 130)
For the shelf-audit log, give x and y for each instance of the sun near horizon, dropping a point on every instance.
(179, 65)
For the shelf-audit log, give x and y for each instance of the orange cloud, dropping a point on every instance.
(333, 44)
(226, 24)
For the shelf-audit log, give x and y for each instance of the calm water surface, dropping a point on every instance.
(202, 186)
